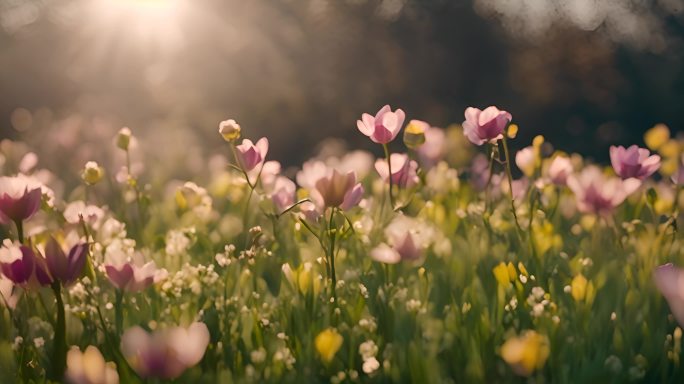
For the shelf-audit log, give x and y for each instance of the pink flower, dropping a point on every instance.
(403, 170)
(167, 353)
(405, 243)
(330, 188)
(559, 170)
(251, 155)
(20, 198)
(432, 151)
(284, 193)
(131, 277)
(670, 282)
(17, 262)
(485, 126)
(633, 162)
(384, 127)
(66, 268)
(599, 194)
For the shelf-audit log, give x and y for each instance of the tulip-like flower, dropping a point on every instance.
(20, 198)
(329, 187)
(283, 195)
(432, 151)
(123, 138)
(633, 162)
(384, 127)
(526, 160)
(250, 154)
(132, 277)
(62, 266)
(600, 194)
(167, 353)
(9, 294)
(230, 130)
(403, 170)
(327, 344)
(527, 353)
(406, 242)
(485, 126)
(89, 367)
(17, 262)
(559, 170)
(670, 281)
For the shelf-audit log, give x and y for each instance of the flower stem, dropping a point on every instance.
(20, 230)
(510, 184)
(60, 347)
(389, 169)
(119, 312)
(333, 235)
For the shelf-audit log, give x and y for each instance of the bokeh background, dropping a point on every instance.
(584, 73)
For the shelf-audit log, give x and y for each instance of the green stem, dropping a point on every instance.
(20, 230)
(333, 235)
(510, 184)
(389, 169)
(119, 312)
(489, 179)
(60, 347)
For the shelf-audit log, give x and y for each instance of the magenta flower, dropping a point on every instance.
(20, 198)
(167, 353)
(64, 267)
(384, 127)
(633, 162)
(559, 170)
(251, 155)
(17, 262)
(599, 194)
(485, 126)
(670, 281)
(131, 277)
(403, 170)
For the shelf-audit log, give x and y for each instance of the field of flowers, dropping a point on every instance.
(450, 258)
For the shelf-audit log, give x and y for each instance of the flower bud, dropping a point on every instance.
(123, 138)
(230, 130)
(92, 173)
(414, 134)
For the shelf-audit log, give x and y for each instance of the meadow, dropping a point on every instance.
(449, 258)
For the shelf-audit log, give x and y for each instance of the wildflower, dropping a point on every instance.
(303, 278)
(482, 126)
(403, 170)
(384, 127)
(633, 162)
(405, 242)
(89, 367)
(250, 154)
(123, 138)
(20, 198)
(92, 173)
(559, 170)
(599, 194)
(66, 268)
(335, 189)
(526, 160)
(9, 295)
(230, 130)
(414, 134)
(433, 150)
(657, 136)
(91, 214)
(370, 365)
(284, 193)
(505, 273)
(131, 277)
(327, 343)
(670, 280)
(526, 353)
(578, 287)
(17, 262)
(167, 353)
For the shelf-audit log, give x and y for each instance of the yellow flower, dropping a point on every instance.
(328, 343)
(501, 274)
(92, 173)
(522, 269)
(512, 131)
(670, 149)
(657, 136)
(579, 287)
(526, 353)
